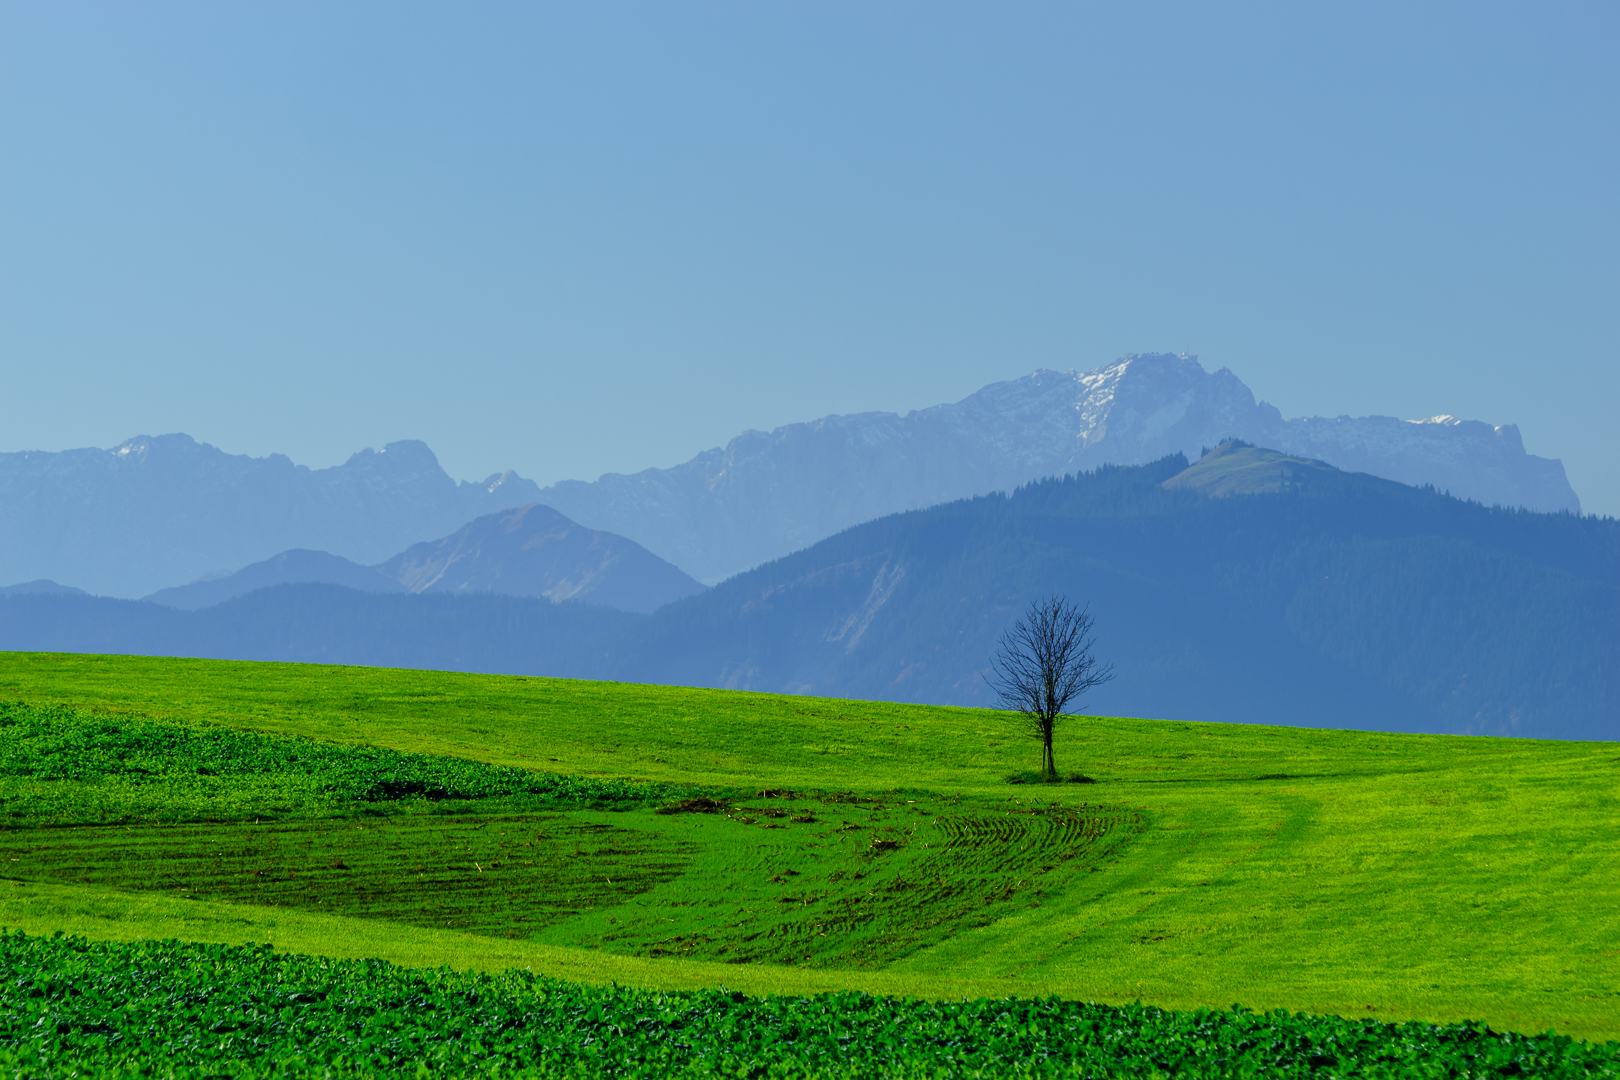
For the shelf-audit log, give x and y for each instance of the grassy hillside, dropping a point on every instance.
(1371, 875)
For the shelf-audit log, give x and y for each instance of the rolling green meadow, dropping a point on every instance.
(650, 842)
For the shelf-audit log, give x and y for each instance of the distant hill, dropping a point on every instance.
(765, 495)
(297, 567)
(42, 585)
(535, 551)
(329, 624)
(532, 551)
(156, 511)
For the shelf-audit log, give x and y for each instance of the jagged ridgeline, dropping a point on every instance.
(62, 766)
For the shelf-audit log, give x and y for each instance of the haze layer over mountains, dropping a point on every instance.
(1250, 586)
(1240, 583)
(161, 512)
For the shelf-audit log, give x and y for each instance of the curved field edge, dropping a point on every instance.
(1338, 872)
(68, 1003)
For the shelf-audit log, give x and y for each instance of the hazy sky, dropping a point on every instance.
(584, 237)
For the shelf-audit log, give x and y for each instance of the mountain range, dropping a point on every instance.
(767, 494)
(157, 512)
(1248, 586)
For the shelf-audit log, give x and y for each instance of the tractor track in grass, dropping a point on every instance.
(827, 879)
(499, 875)
(900, 880)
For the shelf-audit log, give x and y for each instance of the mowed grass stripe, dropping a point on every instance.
(1424, 876)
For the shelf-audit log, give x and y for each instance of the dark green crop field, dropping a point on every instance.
(667, 840)
(72, 1007)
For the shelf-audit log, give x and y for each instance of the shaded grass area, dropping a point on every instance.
(1336, 872)
(845, 893)
(500, 875)
(44, 908)
(69, 1005)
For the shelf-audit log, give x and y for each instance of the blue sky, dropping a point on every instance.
(575, 238)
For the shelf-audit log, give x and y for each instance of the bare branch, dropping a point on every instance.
(1044, 664)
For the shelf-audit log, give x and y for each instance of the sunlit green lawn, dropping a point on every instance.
(1394, 876)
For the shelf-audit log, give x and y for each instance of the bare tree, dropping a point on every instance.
(1045, 663)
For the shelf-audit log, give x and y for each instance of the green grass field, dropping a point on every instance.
(855, 845)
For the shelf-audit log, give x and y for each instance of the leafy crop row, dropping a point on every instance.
(71, 1007)
(61, 766)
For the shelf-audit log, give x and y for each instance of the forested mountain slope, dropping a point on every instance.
(1327, 598)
